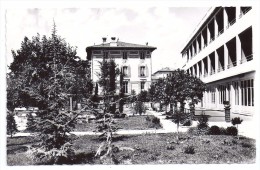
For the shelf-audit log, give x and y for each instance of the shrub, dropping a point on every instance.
(214, 130)
(170, 147)
(231, 131)
(153, 121)
(203, 121)
(187, 123)
(189, 150)
(223, 131)
(246, 145)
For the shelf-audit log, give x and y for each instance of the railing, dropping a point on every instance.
(232, 64)
(212, 72)
(220, 32)
(221, 69)
(231, 23)
(243, 12)
(247, 58)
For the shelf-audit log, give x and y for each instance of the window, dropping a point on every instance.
(222, 93)
(125, 71)
(213, 94)
(125, 55)
(142, 85)
(247, 92)
(142, 55)
(142, 71)
(105, 54)
(125, 87)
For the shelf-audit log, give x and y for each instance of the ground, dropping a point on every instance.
(151, 149)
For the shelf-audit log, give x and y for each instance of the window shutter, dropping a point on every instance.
(129, 70)
(146, 69)
(139, 71)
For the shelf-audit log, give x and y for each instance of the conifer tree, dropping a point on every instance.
(11, 125)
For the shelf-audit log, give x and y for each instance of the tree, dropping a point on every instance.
(31, 123)
(121, 93)
(95, 98)
(236, 121)
(107, 80)
(44, 74)
(11, 125)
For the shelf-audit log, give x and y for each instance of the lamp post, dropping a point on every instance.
(227, 110)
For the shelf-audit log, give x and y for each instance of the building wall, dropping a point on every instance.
(133, 64)
(225, 59)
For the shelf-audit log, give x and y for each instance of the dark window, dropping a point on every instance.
(105, 54)
(142, 71)
(142, 55)
(125, 86)
(125, 71)
(142, 85)
(124, 55)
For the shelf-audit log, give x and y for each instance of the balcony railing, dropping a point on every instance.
(243, 12)
(212, 72)
(246, 59)
(221, 69)
(232, 64)
(231, 23)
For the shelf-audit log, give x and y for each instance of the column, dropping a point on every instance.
(197, 46)
(202, 68)
(239, 95)
(238, 12)
(188, 54)
(232, 95)
(216, 96)
(209, 66)
(238, 49)
(198, 69)
(208, 35)
(193, 71)
(225, 18)
(216, 27)
(216, 61)
(202, 41)
(225, 56)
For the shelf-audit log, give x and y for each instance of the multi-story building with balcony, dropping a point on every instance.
(220, 52)
(135, 61)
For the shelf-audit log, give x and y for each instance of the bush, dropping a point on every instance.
(203, 121)
(231, 131)
(214, 130)
(187, 123)
(153, 121)
(223, 131)
(189, 150)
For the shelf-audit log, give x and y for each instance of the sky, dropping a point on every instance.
(167, 28)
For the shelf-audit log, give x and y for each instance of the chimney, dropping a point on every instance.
(113, 42)
(146, 43)
(104, 39)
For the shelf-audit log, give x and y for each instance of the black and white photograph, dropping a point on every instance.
(110, 84)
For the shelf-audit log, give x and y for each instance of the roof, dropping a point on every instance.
(201, 25)
(166, 69)
(121, 44)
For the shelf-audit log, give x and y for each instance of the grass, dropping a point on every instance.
(129, 123)
(159, 149)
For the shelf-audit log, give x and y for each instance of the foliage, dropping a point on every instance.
(236, 121)
(139, 107)
(121, 94)
(179, 117)
(189, 150)
(214, 130)
(11, 127)
(153, 121)
(232, 131)
(31, 123)
(202, 121)
(45, 73)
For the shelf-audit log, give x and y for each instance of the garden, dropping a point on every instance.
(46, 73)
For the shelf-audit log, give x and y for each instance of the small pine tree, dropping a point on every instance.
(11, 125)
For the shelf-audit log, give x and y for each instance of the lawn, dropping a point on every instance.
(154, 149)
(138, 122)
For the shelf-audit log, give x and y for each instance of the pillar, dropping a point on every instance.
(238, 10)
(225, 56)
(216, 61)
(202, 41)
(70, 103)
(225, 18)
(238, 50)
(197, 46)
(216, 27)
(208, 35)
(202, 68)
(209, 66)
(198, 70)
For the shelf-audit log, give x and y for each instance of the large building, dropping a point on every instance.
(221, 53)
(162, 73)
(135, 61)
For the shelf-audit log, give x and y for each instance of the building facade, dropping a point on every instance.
(135, 61)
(220, 52)
(162, 73)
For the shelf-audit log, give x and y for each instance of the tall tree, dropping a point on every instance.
(44, 74)
(11, 125)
